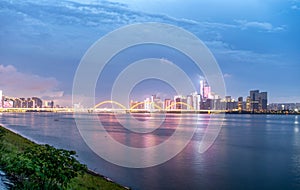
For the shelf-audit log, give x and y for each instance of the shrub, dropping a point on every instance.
(2, 134)
(44, 167)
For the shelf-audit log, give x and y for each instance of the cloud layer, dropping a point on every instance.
(17, 84)
(51, 37)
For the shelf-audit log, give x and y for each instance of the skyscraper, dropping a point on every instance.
(189, 101)
(205, 90)
(259, 100)
(202, 83)
(37, 102)
(196, 100)
(240, 104)
(263, 101)
(147, 104)
(179, 99)
(254, 96)
(248, 103)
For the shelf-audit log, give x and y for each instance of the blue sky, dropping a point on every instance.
(255, 42)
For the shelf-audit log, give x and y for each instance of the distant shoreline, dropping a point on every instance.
(280, 112)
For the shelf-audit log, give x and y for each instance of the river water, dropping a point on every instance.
(251, 151)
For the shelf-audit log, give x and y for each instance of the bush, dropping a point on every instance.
(2, 134)
(44, 167)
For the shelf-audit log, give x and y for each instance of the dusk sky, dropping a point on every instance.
(256, 43)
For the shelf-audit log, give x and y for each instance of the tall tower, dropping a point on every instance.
(240, 104)
(202, 88)
(203, 85)
(196, 100)
(205, 90)
(189, 101)
(254, 96)
(263, 101)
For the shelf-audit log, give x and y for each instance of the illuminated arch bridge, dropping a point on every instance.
(151, 105)
(115, 106)
(145, 106)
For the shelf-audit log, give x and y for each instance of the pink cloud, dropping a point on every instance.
(19, 84)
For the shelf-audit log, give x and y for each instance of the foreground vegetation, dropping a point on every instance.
(32, 166)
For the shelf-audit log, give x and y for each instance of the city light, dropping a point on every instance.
(202, 101)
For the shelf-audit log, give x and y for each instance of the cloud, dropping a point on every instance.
(41, 19)
(85, 14)
(295, 7)
(226, 75)
(18, 84)
(262, 26)
(243, 56)
(217, 25)
(217, 44)
(67, 22)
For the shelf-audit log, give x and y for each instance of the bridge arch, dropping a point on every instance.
(136, 105)
(140, 103)
(110, 102)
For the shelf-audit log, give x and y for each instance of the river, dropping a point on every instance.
(251, 151)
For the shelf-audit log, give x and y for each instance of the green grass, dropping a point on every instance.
(89, 181)
(15, 144)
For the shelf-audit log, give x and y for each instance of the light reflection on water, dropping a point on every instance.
(251, 152)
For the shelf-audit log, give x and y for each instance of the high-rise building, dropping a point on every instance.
(189, 102)
(254, 96)
(196, 100)
(30, 103)
(248, 103)
(8, 103)
(168, 104)
(263, 101)
(180, 102)
(259, 100)
(202, 84)
(227, 98)
(205, 90)
(147, 104)
(153, 97)
(240, 104)
(158, 104)
(49, 104)
(207, 104)
(216, 104)
(23, 103)
(38, 103)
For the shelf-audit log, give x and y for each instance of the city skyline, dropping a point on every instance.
(204, 99)
(255, 43)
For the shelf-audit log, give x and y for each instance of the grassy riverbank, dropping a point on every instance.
(15, 144)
